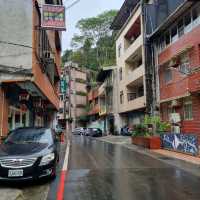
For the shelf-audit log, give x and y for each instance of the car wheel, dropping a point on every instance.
(54, 173)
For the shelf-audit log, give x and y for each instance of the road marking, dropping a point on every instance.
(64, 173)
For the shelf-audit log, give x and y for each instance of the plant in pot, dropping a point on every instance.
(147, 134)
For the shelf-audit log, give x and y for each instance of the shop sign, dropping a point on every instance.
(63, 85)
(53, 17)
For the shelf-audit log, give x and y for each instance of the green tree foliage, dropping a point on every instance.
(95, 45)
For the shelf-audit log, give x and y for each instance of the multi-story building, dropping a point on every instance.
(108, 102)
(134, 90)
(177, 45)
(93, 107)
(29, 66)
(73, 103)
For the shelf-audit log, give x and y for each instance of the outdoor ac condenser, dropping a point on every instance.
(175, 118)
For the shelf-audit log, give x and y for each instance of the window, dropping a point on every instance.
(119, 50)
(168, 75)
(184, 67)
(120, 74)
(174, 35)
(180, 28)
(187, 19)
(121, 97)
(187, 23)
(188, 110)
(194, 14)
(162, 42)
(167, 38)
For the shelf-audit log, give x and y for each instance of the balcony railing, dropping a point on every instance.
(133, 47)
(135, 74)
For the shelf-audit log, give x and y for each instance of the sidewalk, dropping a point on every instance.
(188, 163)
(11, 194)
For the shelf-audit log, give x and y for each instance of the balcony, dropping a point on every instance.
(134, 104)
(132, 48)
(134, 75)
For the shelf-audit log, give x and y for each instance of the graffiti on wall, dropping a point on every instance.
(181, 142)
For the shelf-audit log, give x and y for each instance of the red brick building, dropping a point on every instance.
(178, 59)
(29, 67)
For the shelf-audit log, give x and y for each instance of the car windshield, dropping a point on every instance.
(29, 136)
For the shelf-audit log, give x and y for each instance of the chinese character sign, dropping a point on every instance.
(63, 86)
(53, 17)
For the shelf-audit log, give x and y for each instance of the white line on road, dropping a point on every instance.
(66, 160)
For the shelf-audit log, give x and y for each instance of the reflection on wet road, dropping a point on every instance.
(103, 171)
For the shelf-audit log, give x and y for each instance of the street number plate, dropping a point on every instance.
(15, 173)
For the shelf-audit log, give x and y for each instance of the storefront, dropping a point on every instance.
(18, 118)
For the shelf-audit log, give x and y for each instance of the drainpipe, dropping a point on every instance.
(147, 63)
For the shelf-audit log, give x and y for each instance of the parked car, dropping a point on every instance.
(126, 131)
(94, 132)
(79, 131)
(97, 132)
(88, 132)
(29, 153)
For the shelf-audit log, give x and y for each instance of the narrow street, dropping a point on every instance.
(103, 171)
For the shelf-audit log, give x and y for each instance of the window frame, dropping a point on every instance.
(168, 80)
(186, 118)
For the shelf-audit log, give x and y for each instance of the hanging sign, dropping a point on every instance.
(53, 17)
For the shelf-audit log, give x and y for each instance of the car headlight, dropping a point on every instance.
(47, 159)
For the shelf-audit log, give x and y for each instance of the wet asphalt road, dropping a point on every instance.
(103, 171)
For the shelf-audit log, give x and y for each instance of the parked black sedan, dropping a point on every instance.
(29, 153)
(94, 132)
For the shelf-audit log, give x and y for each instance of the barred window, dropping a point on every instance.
(188, 111)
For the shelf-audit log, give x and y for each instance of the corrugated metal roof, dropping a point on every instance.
(123, 14)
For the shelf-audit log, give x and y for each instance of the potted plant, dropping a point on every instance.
(147, 134)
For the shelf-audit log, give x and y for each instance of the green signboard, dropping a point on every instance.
(63, 86)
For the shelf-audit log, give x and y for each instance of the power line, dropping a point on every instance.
(16, 44)
(70, 6)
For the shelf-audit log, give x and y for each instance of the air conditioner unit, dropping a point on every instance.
(175, 117)
(177, 129)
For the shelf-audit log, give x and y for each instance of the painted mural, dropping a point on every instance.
(181, 142)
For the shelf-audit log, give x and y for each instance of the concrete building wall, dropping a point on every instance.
(133, 74)
(41, 79)
(16, 29)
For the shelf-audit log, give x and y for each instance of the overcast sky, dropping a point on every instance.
(84, 9)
